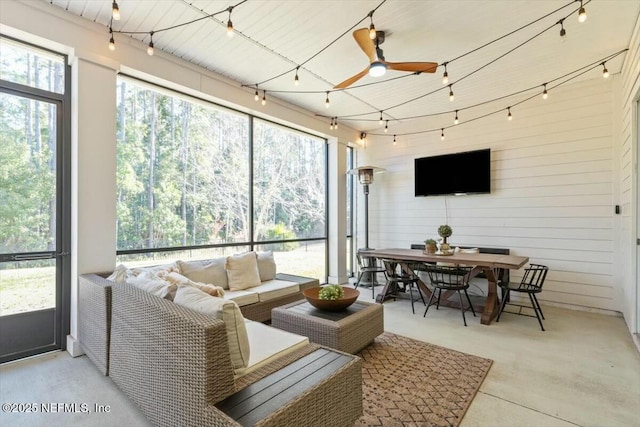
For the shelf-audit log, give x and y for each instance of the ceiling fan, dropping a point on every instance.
(377, 64)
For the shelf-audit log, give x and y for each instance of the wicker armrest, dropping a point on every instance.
(171, 361)
(94, 318)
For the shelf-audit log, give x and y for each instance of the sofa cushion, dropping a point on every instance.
(227, 311)
(155, 269)
(273, 289)
(242, 298)
(210, 271)
(242, 271)
(154, 285)
(120, 274)
(267, 344)
(266, 266)
(179, 279)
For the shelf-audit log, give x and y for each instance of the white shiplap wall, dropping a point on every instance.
(552, 190)
(628, 186)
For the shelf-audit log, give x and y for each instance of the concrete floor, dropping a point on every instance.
(584, 370)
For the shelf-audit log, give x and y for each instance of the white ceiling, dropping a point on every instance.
(275, 36)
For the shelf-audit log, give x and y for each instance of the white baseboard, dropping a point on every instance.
(73, 347)
(338, 280)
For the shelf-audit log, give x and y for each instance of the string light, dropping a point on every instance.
(545, 94)
(296, 79)
(112, 42)
(386, 126)
(115, 11)
(372, 28)
(456, 121)
(264, 97)
(335, 123)
(150, 47)
(381, 119)
(509, 116)
(394, 140)
(230, 24)
(451, 95)
(605, 72)
(363, 138)
(331, 126)
(326, 101)
(563, 32)
(582, 13)
(442, 134)
(445, 75)
(256, 97)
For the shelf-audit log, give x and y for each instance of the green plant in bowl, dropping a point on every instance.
(331, 292)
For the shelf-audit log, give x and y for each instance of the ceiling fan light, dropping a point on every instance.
(377, 69)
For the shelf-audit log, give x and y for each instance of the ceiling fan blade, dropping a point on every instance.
(366, 44)
(352, 80)
(423, 67)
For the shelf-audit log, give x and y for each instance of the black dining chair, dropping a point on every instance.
(369, 267)
(449, 278)
(400, 280)
(531, 284)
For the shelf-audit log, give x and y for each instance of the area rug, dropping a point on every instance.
(412, 383)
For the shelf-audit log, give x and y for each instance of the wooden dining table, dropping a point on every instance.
(482, 263)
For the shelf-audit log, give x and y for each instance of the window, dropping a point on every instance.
(193, 184)
(349, 215)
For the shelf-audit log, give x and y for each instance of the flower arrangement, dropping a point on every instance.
(445, 231)
(331, 292)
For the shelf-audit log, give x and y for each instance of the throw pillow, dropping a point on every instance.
(266, 266)
(179, 279)
(120, 274)
(209, 271)
(155, 269)
(154, 285)
(242, 271)
(227, 311)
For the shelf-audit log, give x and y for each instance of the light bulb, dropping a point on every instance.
(456, 121)
(386, 126)
(381, 120)
(115, 11)
(150, 49)
(296, 79)
(264, 98)
(445, 78)
(582, 14)
(326, 101)
(335, 123)
(229, 28)
(331, 126)
(256, 97)
(442, 134)
(451, 95)
(112, 44)
(394, 140)
(545, 94)
(509, 116)
(372, 31)
(605, 72)
(563, 32)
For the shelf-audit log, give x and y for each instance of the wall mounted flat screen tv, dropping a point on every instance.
(459, 173)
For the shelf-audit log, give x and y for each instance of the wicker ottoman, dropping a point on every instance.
(349, 331)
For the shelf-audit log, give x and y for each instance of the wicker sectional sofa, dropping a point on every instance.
(175, 363)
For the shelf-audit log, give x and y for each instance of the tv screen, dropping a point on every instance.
(459, 173)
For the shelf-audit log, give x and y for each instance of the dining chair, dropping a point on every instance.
(531, 284)
(449, 278)
(400, 280)
(368, 267)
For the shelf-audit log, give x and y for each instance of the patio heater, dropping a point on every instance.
(365, 176)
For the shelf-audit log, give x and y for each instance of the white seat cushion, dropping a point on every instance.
(267, 344)
(242, 297)
(273, 289)
(224, 310)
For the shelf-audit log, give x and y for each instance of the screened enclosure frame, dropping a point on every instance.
(253, 242)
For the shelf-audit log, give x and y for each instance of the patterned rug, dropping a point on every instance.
(413, 383)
